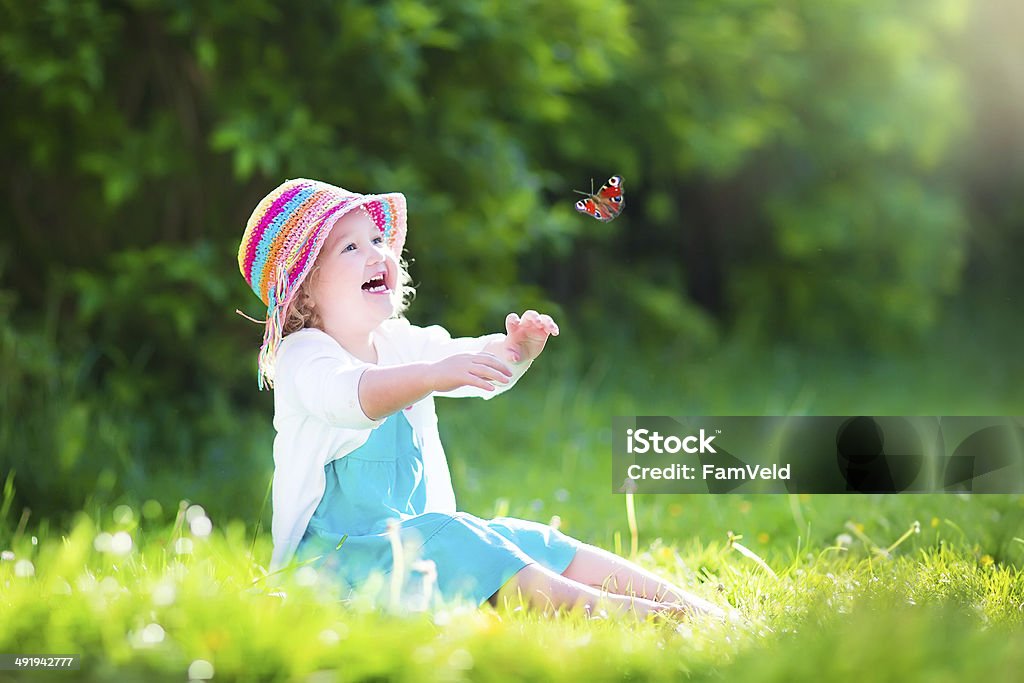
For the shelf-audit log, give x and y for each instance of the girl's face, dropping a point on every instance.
(357, 276)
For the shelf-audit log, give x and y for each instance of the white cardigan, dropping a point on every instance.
(318, 417)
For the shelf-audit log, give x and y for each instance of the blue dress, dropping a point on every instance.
(382, 480)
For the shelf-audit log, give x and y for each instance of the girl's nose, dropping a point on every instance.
(379, 253)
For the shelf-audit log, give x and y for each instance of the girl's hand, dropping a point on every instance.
(468, 369)
(527, 336)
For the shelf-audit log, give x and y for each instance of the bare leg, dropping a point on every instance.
(597, 567)
(542, 589)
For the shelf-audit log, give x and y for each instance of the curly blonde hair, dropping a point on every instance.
(302, 311)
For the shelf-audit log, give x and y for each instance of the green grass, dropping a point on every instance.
(850, 595)
(835, 612)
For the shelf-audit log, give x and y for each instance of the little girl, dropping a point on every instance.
(357, 444)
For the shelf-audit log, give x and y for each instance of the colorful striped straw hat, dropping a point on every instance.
(283, 238)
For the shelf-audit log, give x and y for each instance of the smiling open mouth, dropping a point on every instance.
(376, 284)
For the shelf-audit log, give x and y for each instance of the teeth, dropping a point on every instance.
(376, 284)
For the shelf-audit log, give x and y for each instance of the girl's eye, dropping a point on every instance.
(378, 240)
(349, 248)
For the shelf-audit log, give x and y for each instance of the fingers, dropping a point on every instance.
(483, 370)
(474, 381)
(533, 320)
(482, 377)
(492, 361)
(489, 368)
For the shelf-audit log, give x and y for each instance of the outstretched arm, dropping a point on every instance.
(513, 351)
(386, 390)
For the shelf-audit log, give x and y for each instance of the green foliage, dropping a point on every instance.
(790, 156)
(763, 192)
(135, 399)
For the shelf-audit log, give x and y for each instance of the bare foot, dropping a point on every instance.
(691, 606)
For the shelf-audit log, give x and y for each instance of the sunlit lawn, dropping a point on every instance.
(143, 601)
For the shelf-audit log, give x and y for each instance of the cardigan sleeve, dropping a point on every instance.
(316, 378)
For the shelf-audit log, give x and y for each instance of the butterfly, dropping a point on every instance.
(606, 203)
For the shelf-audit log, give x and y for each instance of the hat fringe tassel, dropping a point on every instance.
(250, 318)
(274, 332)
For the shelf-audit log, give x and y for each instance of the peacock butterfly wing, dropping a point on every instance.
(606, 203)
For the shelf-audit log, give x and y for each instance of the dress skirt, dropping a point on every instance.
(383, 480)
